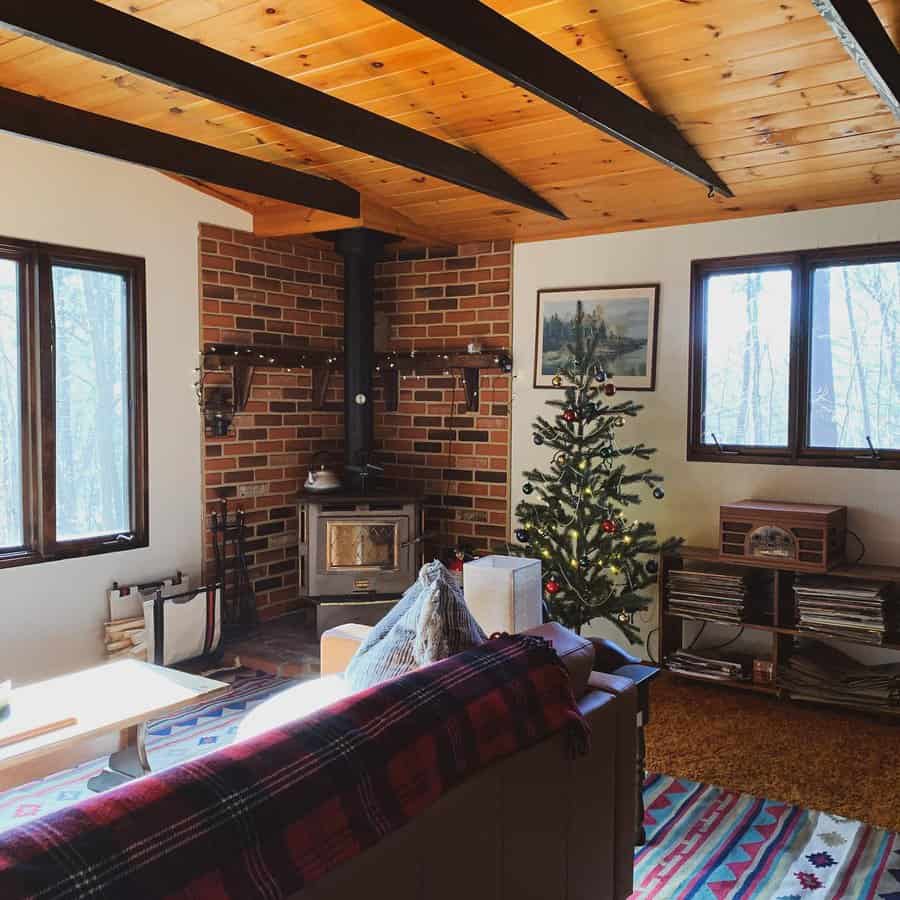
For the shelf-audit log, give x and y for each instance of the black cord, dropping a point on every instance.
(697, 637)
(690, 646)
(862, 547)
(693, 643)
(649, 654)
(727, 643)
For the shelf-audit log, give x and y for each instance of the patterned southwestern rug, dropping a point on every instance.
(703, 842)
(709, 843)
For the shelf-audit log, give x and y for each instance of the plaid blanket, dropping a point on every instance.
(269, 816)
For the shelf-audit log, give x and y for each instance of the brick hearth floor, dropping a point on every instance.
(286, 646)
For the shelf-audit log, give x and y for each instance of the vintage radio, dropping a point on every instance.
(803, 537)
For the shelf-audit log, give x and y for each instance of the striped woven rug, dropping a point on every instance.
(713, 844)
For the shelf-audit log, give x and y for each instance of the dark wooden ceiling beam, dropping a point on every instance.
(59, 124)
(103, 33)
(478, 32)
(859, 29)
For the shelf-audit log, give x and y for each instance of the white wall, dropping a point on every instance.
(694, 491)
(51, 613)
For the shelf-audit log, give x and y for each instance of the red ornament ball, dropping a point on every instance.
(569, 415)
(552, 587)
(456, 564)
(609, 389)
(609, 526)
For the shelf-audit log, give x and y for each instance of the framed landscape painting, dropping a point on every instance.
(623, 317)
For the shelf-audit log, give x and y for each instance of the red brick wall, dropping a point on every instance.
(288, 293)
(443, 298)
(275, 292)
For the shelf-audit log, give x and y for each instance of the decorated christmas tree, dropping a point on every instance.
(596, 559)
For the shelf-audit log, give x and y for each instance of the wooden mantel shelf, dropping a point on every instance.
(390, 366)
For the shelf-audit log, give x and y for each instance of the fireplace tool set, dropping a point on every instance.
(238, 601)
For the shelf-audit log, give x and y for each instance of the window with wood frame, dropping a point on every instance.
(73, 429)
(795, 358)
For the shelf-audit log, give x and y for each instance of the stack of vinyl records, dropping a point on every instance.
(711, 665)
(822, 674)
(855, 610)
(708, 596)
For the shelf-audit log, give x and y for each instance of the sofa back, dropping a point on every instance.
(539, 825)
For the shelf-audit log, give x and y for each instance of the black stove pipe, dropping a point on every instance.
(361, 249)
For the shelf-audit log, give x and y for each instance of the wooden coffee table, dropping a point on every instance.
(90, 713)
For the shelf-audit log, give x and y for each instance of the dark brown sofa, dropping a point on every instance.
(540, 825)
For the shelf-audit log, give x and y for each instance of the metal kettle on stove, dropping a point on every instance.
(321, 478)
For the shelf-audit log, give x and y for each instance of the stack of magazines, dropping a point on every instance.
(708, 596)
(856, 610)
(822, 674)
(711, 665)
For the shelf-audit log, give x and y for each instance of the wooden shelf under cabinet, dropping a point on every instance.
(782, 629)
(738, 685)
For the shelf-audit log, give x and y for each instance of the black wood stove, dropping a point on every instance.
(360, 548)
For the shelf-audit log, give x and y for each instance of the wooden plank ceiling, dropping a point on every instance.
(762, 88)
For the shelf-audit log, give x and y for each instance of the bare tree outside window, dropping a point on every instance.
(91, 412)
(855, 384)
(11, 531)
(795, 358)
(73, 403)
(747, 347)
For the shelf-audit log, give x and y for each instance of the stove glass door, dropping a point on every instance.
(361, 545)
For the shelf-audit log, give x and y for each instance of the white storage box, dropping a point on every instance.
(504, 593)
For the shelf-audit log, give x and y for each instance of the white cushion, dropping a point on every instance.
(338, 645)
(293, 703)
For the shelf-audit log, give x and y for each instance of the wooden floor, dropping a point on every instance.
(838, 762)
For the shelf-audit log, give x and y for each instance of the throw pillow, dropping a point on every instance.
(430, 623)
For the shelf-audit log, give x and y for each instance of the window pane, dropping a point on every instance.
(855, 366)
(748, 336)
(92, 446)
(10, 409)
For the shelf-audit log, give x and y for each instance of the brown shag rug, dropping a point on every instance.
(815, 757)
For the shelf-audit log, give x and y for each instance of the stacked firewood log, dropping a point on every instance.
(125, 634)
(126, 638)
